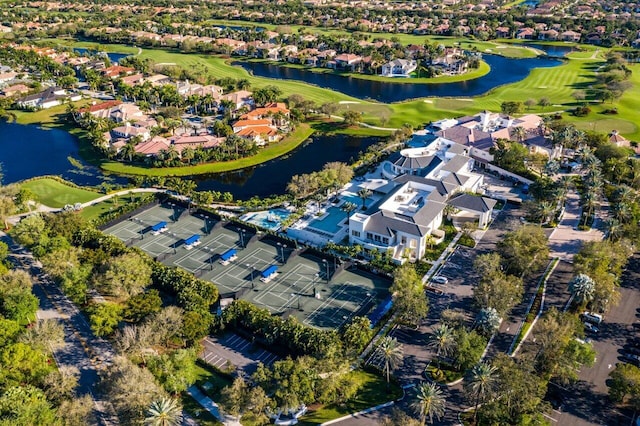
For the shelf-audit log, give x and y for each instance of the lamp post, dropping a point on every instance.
(206, 225)
(242, 232)
(251, 269)
(173, 212)
(294, 295)
(281, 248)
(326, 264)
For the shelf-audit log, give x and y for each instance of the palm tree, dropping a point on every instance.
(442, 340)
(128, 150)
(391, 352)
(519, 133)
(546, 210)
(364, 193)
(479, 384)
(164, 412)
(430, 402)
(348, 207)
(582, 289)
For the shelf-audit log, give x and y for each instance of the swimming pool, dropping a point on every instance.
(331, 222)
(352, 198)
(269, 219)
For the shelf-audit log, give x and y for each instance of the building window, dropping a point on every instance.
(369, 236)
(377, 238)
(385, 240)
(412, 243)
(403, 240)
(355, 233)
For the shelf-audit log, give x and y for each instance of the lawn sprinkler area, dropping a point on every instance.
(268, 271)
(268, 219)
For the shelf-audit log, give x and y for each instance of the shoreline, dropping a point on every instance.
(479, 72)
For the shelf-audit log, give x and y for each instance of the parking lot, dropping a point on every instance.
(232, 352)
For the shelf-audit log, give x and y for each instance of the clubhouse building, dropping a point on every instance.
(419, 186)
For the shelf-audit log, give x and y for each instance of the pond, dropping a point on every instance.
(113, 57)
(272, 177)
(503, 71)
(28, 151)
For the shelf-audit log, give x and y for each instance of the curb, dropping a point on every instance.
(359, 413)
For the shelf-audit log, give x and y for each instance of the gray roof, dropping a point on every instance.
(473, 203)
(456, 163)
(456, 179)
(415, 162)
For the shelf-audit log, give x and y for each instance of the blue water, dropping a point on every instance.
(28, 151)
(503, 71)
(330, 222)
(352, 198)
(271, 219)
(113, 57)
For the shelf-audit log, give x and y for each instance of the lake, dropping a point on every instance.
(503, 71)
(272, 177)
(28, 151)
(113, 57)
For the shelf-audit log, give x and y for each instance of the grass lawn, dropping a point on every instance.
(95, 211)
(52, 193)
(302, 133)
(373, 391)
(205, 374)
(338, 127)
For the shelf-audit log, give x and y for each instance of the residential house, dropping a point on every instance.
(158, 80)
(133, 80)
(16, 89)
(239, 99)
(53, 96)
(153, 146)
(570, 36)
(181, 143)
(525, 33)
(116, 71)
(347, 61)
(399, 68)
(548, 35)
(6, 77)
(98, 109)
(503, 32)
(129, 131)
(278, 113)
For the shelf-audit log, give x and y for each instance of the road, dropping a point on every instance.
(82, 349)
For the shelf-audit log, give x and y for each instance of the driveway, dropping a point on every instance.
(565, 240)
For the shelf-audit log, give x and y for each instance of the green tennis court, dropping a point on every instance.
(298, 287)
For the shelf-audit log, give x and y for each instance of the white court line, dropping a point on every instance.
(327, 302)
(282, 281)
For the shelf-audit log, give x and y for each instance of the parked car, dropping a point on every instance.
(633, 359)
(592, 317)
(590, 327)
(440, 279)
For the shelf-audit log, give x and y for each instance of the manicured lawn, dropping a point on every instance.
(373, 391)
(52, 193)
(302, 133)
(95, 211)
(205, 374)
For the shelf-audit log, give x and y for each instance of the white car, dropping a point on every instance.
(440, 279)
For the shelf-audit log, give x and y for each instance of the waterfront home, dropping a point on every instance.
(259, 131)
(195, 141)
(570, 36)
(158, 80)
(116, 71)
(153, 146)
(99, 109)
(399, 68)
(479, 132)
(450, 61)
(129, 131)
(48, 98)
(422, 182)
(347, 61)
(277, 113)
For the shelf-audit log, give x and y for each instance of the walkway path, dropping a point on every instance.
(565, 240)
(208, 404)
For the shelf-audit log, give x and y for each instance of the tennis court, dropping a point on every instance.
(297, 284)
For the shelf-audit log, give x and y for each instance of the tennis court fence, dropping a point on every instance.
(241, 293)
(162, 256)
